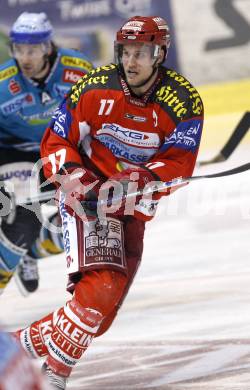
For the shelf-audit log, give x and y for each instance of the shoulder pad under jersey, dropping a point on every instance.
(177, 96)
(99, 78)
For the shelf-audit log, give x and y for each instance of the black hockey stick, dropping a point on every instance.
(158, 187)
(184, 180)
(236, 137)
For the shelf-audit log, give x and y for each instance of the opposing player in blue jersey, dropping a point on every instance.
(32, 83)
(17, 370)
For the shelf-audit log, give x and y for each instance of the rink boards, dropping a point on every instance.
(225, 104)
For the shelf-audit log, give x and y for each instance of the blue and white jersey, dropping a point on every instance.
(26, 108)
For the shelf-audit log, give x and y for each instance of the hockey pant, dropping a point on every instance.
(65, 334)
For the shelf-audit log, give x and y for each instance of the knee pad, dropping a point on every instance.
(101, 290)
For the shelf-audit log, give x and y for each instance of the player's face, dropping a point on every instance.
(30, 58)
(137, 63)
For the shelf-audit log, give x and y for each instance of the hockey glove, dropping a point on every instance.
(80, 188)
(124, 191)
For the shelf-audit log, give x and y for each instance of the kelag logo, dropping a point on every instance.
(186, 136)
(130, 136)
(61, 121)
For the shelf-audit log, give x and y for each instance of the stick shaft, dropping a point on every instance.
(43, 196)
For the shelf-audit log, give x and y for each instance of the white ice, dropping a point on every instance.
(186, 321)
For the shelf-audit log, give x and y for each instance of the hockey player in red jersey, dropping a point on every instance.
(122, 127)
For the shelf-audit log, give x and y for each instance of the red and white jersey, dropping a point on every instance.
(100, 118)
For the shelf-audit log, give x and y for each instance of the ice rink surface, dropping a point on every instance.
(186, 321)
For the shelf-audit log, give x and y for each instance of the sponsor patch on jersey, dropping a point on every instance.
(40, 117)
(15, 104)
(9, 72)
(72, 75)
(14, 87)
(65, 217)
(171, 97)
(197, 106)
(130, 154)
(82, 83)
(76, 62)
(61, 121)
(135, 118)
(103, 244)
(186, 136)
(131, 145)
(130, 136)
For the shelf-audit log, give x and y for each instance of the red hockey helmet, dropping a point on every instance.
(150, 31)
(147, 29)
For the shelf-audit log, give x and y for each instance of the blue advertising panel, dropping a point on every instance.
(88, 25)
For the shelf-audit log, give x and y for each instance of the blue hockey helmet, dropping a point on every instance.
(31, 28)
